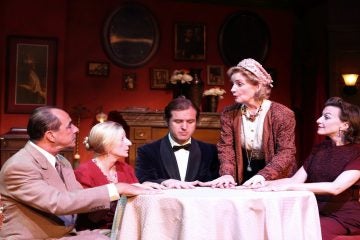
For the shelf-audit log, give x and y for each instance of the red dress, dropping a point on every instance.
(325, 164)
(89, 175)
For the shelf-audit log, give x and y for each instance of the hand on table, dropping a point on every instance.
(152, 185)
(255, 182)
(133, 190)
(274, 188)
(226, 181)
(173, 183)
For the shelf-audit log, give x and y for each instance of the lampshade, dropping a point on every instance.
(101, 117)
(350, 79)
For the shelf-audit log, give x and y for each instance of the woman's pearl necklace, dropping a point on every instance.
(111, 176)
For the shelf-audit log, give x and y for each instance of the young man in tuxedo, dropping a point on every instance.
(177, 160)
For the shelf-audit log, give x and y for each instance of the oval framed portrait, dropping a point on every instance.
(130, 35)
(243, 35)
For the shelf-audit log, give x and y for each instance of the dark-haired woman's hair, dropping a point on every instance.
(41, 120)
(179, 104)
(349, 113)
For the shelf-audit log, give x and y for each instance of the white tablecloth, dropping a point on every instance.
(221, 214)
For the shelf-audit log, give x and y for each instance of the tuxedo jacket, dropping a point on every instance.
(34, 196)
(156, 162)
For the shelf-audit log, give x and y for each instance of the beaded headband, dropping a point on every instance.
(255, 68)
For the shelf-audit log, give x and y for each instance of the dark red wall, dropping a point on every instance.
(78, 27)
(36, 19)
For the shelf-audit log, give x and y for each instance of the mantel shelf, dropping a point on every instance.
(156, 119)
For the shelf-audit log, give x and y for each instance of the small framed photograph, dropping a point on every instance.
(159, 78)
(98, 69)
(129, 81)
(190, 41)
(31, 73)
(215, 75)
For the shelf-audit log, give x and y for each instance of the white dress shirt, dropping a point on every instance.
(182, 157)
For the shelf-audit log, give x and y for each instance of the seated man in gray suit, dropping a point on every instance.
(178, 160)
(38, 187)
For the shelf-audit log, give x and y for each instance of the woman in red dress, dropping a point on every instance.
(332, 171)
(110, 145)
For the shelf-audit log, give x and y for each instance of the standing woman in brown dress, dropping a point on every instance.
(332, 171)
(257, 140)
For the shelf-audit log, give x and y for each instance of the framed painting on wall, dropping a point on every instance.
(159, 78)
(31, 73)
(129, 81)
(215, 75)
(243, 35)
(190, 41)
(98, 69)
(130, 35)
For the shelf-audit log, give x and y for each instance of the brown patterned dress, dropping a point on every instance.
(278, 143)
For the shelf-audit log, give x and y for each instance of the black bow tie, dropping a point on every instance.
(186, 147)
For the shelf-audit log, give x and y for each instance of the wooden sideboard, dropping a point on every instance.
(146, 126)
(15, 139)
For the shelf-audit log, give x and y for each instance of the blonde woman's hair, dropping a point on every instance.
(264, 91)
(256, 75)
(102, 136)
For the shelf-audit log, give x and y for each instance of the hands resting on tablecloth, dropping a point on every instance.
(227, 181)
(151, 185)
(168, 184)
(130, 190)
(177, 184)
(257, 183)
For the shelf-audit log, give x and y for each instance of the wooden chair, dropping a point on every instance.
(120, 207)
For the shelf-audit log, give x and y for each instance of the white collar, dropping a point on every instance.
(51, 158)
(173, 143)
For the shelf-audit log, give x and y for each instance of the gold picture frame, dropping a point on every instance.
(129, 81)
(190, 41)
(31, 73)
(215, 75)
(159, 78)
(98, 69)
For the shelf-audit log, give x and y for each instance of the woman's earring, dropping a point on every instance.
(339, 132)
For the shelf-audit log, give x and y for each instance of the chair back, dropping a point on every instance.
(119, 212)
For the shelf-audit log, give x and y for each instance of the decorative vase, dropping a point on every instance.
(196, 88)
(211, 103)
(180, 89)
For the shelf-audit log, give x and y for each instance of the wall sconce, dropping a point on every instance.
(79, 112)
(101, 116)
(350, 81)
